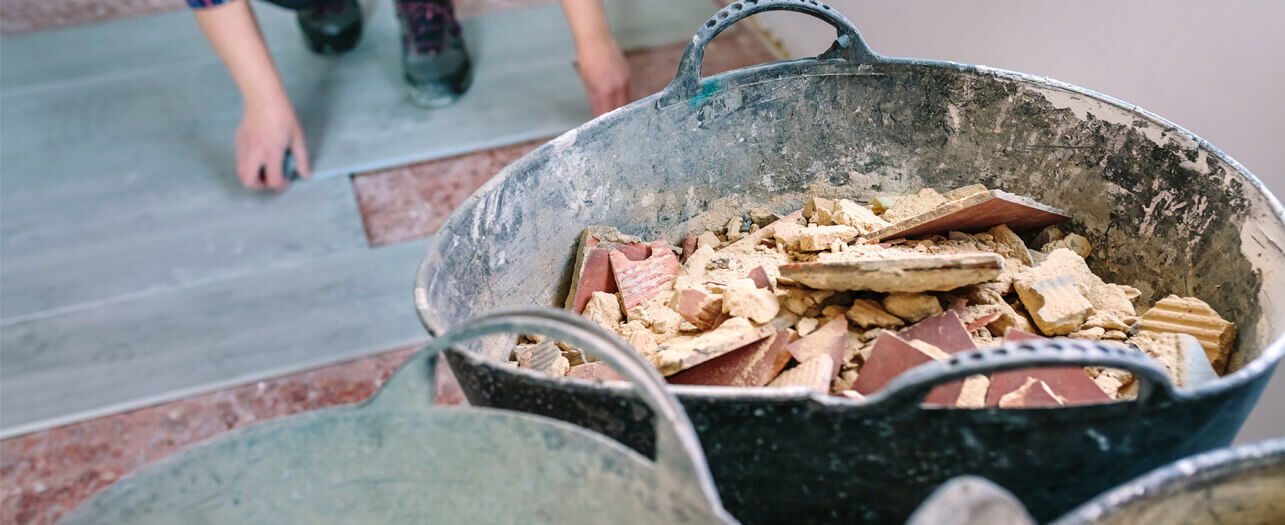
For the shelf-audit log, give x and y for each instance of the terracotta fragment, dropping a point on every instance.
(699, 308)
(944, 330)
(596, 370)
(974, 213)
(831, 339)
(752, 365)
(891, 357)
(1071, 383)
(639, 281)
(592, 269)
(1034, 393)
(681, 353)
(1180, 354)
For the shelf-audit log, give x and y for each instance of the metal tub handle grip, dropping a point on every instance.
(680, 461)
(908, 390)
(687, 81)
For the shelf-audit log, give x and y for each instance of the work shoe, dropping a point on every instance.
(331, 27)
(435, 62)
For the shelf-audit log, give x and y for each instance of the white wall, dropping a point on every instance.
(1214, 67)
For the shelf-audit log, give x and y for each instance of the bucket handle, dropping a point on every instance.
(687, 81)
(907, 391)
(680, 460)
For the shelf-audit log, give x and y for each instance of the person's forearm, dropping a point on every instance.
(588, 21)
(234, 34)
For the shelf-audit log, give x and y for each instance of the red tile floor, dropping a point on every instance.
(45, 474)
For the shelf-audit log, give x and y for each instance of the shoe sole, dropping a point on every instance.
(344, 42)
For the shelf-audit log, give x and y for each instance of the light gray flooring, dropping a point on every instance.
(134, 269)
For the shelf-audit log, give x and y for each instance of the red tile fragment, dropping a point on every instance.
(944, 331)
(890, 357)
(1072, 383)
(752, 365)
(594, 274)
(595, 370)
(689, 246)
(638, 281)
(761, 280)
(830, 339)
(699, 308)
(1037, 396)
(984, 320)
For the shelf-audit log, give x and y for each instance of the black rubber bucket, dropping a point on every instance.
(1166, 211)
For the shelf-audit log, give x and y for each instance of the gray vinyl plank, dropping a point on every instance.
(134, 267)
(68, 367)
(125, 165)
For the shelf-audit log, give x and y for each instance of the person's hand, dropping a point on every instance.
(605, 74)
(266, 132)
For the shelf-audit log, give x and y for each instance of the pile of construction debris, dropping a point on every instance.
(843, 297)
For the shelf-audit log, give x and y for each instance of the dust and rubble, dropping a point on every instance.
(841, 297)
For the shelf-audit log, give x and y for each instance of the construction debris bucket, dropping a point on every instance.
(1240, 485)
(399, 459)
(1165, 211)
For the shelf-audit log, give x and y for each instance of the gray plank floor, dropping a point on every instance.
(133, 269)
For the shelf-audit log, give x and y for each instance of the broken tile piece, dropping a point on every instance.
(639, 281)
(1056, 304)
(1108, 301)
(807, 325)
(973, 393)
(709, 239)
(1180, 354)
(819, 238)
(944, 330)
(814, 207)
(1189, 315)
(1034, 393)
(592, 271)
(913, 205)
(638, 336)
(1010, 244)
(867, 313)
(911, 307)
(682, 353)
(689, 245)
(913, 273)
(853, 395)
(1073, 242)
(1070, 383)
(699, 308)
(752, 365)
(848, 213)
(596, 370)
(975, 213)
(545, 357)
(603, 309)
(963, 191)
(890, 357)
(762, 217)
(743, 298)
(761, 279)
(830, 339)
(814, 373)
